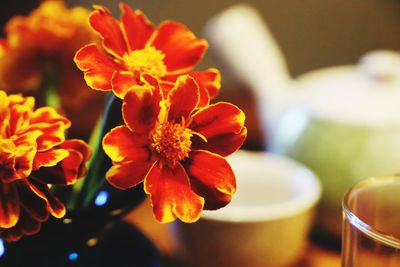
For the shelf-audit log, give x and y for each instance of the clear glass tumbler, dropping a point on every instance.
(371, 223)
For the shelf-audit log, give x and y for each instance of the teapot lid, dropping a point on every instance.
(366, 94)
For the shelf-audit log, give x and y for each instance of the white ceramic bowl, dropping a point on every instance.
(266, 224)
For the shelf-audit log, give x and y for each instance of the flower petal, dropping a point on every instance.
(19, 117)
(218, 119)
(8, 172)
(122, 82)
(4, 113)
(209, 82)
(127, 175)
(49, 158)
(104, 23)
(77, 145)
(171, 195)
(223, 145)
(26, 226)
(80, 147)
(120, 144)
(183, 98)
(54, 205)
(33, 202)
(26, 149)
(141, 107)
(211, 177)
(98, 68)
(21, 61)
(182, 49)
(53, 135)
(64, 173)
(9, 205)
(136, 27)
(4, 47)
(49, 115)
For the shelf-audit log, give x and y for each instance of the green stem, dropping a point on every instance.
(100, 162)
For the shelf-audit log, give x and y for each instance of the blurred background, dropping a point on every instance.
(312, 34)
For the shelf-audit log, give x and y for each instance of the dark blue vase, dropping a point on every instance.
(82, 240)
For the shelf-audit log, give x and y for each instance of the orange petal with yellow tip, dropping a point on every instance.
(141, 107)
(49, 115)
(149, 80)
(223, 144)
(26, 225)
(209, 79)
(77, 145)
(98, 68)
(171, 195)
(24, 158)
(183, 99)
(80, 147)
(10, 206)
(19, 118)
(182, 49)
(122, 145)
(18, 99)
(49, 158)
(53, 134)
(70, 166)
(54, 205)
(4, 113)
(136, 27)
(108, 28)
(209, 82)
(7, 159)
(4, 47)
(24, 152)
(64, 173)
(28, 139)
(218, 119)
(211, 177)
(122, 82)
(34, 203)
(127, 175)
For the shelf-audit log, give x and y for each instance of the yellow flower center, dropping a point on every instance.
(149, 60)
(171, 141)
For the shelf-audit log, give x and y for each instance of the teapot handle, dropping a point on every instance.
(244, 42)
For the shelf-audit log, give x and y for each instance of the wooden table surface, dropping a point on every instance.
(142, 218)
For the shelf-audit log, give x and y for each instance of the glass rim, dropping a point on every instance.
(364, 227)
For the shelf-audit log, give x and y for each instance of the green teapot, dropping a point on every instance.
(343, 122)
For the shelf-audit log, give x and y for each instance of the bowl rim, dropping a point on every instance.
(302, 202)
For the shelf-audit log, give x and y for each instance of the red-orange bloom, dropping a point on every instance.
(176, 148)
(42, 46)
(134, 46)
(33, 155)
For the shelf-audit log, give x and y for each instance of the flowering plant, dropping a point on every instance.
(159, 127)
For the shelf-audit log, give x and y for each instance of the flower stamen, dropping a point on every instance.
(148, 60)
(171, 142)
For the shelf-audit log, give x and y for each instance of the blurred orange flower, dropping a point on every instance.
(176, 148)
(34, 155)
(41, 46)
(134, 46)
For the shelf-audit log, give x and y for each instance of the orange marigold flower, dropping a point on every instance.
(176, 148)
(33, 155)
(134, 46)
(42, 46)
